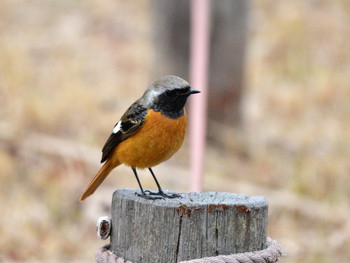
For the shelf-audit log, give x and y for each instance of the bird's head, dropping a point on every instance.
(168, 95)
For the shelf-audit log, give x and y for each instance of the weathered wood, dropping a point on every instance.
(194, 226)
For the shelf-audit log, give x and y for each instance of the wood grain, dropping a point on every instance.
(194, 226)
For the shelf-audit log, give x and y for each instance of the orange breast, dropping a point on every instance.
(156, 141)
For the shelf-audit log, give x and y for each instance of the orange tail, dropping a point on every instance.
(101, 175)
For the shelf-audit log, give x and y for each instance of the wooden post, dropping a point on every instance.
(194, 226)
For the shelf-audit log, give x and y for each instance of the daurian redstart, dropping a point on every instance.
(150, 132)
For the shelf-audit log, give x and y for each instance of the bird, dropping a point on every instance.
(151, 130)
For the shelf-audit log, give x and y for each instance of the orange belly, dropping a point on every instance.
(156, 141)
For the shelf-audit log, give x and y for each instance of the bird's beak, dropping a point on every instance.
(193, 91)
(190, 91)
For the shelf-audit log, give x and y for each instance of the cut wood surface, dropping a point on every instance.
(194, 226)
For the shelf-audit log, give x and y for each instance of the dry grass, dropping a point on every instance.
(69, 69)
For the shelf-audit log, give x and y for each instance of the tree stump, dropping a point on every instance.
(200, 224)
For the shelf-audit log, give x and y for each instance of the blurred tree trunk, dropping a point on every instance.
(171, 24)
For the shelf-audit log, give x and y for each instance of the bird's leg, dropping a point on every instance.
(143, 194)
(160, 190)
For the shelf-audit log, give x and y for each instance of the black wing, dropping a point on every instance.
(130, 122)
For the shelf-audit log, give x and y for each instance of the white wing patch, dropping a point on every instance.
(117, 127)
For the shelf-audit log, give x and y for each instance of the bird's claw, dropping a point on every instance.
(163, 194)
(149, 196)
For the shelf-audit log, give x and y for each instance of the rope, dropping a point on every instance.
(271, 254)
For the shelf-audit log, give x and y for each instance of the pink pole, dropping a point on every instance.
(198, 79)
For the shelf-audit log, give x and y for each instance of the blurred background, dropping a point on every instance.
(278, 124)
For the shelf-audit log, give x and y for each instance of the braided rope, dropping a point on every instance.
(271, 254)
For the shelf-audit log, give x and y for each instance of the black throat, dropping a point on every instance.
(172, 107)
(170, 114)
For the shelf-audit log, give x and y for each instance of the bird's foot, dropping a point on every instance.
(148, 196)
(163, 194)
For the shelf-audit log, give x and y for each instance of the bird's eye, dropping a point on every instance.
(170, 93)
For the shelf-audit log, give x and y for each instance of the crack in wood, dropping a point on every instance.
(216, 233)
(178, 239)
